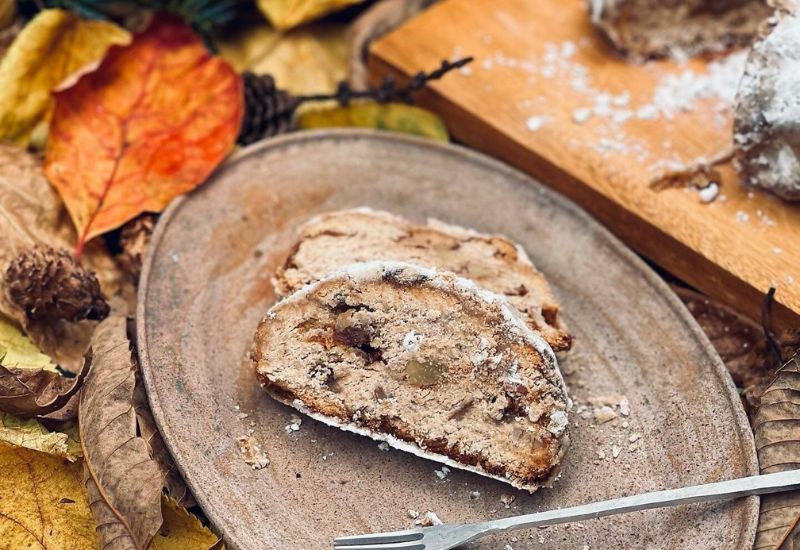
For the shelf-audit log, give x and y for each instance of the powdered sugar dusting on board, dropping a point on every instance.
(608, 112)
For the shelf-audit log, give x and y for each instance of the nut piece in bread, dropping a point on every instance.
(333, 240)
(425, 361)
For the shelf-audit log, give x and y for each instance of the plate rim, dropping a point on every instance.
(746, 436)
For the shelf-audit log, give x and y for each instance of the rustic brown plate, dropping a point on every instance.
(206, 284)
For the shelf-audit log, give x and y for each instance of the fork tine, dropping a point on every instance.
(408, 535)
(408, 545)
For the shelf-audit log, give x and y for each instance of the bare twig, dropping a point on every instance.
(766, 317)
(388, 89)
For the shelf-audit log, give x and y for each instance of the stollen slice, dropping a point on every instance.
(331, 241)
(424, 360)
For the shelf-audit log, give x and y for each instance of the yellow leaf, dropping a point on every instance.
(311, 60)
(285, 14)
(55, 45)
(181, 529)
(18, 352)
(32, 435)
(43, 503)
(396, 117)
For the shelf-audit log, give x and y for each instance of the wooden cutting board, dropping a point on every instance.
(547, 95)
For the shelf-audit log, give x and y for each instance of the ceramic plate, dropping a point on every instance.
(206, 284)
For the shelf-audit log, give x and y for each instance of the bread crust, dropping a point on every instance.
(333, 240)
(514, 425)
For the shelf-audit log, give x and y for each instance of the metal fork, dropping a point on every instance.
(443, 537)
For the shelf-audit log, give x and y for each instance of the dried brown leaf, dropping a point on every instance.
(172, 480)
(27, 393)
(123, 481)
(777, 433)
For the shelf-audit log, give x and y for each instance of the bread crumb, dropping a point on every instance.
(252, 453)
(507, 499)
(441, 474)
(604, 414)
(413, 514)
(474, 495)
(558, 423)
(293, 425)
(430, 519)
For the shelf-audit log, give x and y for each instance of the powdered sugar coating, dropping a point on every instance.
(448, 282)
(767, 126)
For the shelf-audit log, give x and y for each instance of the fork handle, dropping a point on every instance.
(722, 490)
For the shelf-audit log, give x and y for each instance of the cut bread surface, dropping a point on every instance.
(334, 240)
(424, 360)
(643, 29)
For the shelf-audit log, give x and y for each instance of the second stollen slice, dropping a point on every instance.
(336, 239)
(423, 360)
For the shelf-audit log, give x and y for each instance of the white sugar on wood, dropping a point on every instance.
(611, 111)
(709, 193)
(681, 92)
(535, 123)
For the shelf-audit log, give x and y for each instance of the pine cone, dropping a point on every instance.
(50, 284)
(268, 110)
(134, 240)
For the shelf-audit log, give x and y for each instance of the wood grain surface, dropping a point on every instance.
(538, 66)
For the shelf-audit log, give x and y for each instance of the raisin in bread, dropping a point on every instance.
(767, 121)
(423, 360)
(331, 241)
(642, 29)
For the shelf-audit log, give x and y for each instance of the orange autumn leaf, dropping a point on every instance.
(152, 122)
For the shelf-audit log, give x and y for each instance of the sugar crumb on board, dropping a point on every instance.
(252, 453)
